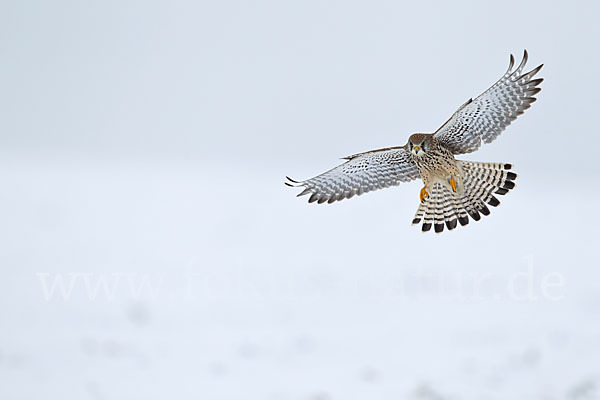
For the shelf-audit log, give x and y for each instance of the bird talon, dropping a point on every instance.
(424, 194)
(453, 184)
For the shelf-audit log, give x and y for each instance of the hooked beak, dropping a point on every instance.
(416, 149)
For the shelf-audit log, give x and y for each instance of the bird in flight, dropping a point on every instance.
(453, 190)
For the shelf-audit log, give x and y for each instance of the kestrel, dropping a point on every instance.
(453, 190)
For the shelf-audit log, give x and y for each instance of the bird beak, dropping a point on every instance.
(417, 148)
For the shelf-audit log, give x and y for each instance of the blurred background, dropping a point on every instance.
(150, 249)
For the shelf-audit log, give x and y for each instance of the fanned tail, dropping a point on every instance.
(481, 180)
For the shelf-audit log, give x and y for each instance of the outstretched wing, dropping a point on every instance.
(362, 173)
(489, 114)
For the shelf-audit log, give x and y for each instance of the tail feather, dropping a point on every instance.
(427, 216)
(438, 211)
(450, 209)
(481, 180)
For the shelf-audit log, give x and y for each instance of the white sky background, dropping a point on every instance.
(153, 138)
(266, 82)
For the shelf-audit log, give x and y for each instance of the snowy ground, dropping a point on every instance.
(221, 285)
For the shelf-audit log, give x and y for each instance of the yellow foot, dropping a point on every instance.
(424, 194)
(453, 183)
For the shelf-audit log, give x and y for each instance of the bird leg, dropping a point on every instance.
(424, 193)
(453, 183)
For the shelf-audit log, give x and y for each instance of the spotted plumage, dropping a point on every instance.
(454, 190)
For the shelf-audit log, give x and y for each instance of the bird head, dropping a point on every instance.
(418, 144)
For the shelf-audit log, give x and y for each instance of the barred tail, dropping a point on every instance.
(481, 181)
